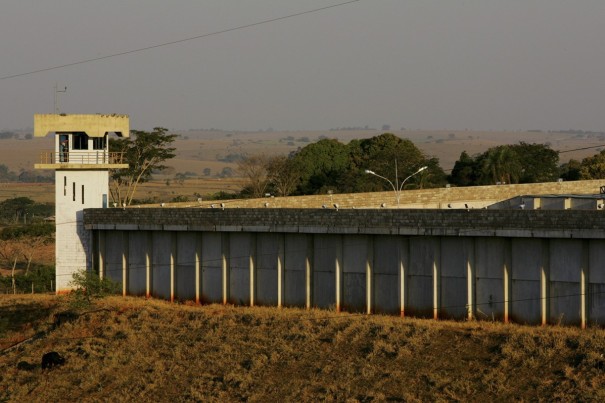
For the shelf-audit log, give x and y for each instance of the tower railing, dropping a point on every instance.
(82, 157)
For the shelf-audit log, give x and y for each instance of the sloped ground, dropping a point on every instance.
(128, 349)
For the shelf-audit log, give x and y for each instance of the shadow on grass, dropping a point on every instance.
(14, 318)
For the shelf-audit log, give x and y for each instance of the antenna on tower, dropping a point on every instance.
(56, 100)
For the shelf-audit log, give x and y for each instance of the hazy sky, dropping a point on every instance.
(421, 64)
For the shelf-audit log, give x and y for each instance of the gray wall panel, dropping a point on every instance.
(295, 255)
(138, 248)
(162, 252)
(525, 304)
(114, 247)
(211, 266)
(324, 275)
(268, 247)
(185, 265)
(491, 256)
(240, 248)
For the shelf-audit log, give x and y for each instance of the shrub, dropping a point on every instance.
(89, 286)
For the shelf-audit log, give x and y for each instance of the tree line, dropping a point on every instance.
(329, 165)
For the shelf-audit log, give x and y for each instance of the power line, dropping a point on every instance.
(192, 38)
(579, 149)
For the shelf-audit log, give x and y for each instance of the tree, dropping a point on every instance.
(254, 169)
(383, 153)
(145, 153)
(283, 174)
(500, 164)
(14, 209)
(593, 167)
(320, 165)
(571, 171)
(29, 239)
(539, 163)
(464, 171)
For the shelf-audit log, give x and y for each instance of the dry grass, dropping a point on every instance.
(136, 350)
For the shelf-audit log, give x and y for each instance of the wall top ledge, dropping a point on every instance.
(512, 223)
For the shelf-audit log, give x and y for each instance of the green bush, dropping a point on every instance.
(89, 286)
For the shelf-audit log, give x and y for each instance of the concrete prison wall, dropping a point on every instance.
(527, 266)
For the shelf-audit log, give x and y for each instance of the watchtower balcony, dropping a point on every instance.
(81, 159)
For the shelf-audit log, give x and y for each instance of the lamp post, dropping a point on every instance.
(397, 188)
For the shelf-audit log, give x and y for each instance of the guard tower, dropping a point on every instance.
(81, 160)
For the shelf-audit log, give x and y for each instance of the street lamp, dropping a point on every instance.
(397, 188)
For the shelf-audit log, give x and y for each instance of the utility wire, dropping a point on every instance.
(579, 149)
(192, 38)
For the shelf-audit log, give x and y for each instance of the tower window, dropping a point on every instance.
(74, 190)
(80, 141)
(98, 143)
(82, 194)
(65, 186)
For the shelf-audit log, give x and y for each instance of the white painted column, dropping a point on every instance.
(309, 271)
(507, 277)
(125, 240)
(369, 274)
(148, 271)
(338, 272)
(403, 253)
(585, 269)
(225, 266)
(437, 281)
(198, 259)
(280, 271)
(252, 267)
(470, 281)
(101, 249)
(544, 282)
(172, 266)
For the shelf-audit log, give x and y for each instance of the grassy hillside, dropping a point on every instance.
(137, 350)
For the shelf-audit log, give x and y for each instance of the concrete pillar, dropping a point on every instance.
(225, 266)
(148, 271)
(309, 258)
(280, 271)
(126, 241)
(437, 280)
(403, 251)
(252, 268)
(584, 283)
(544, 282)
(338, 273)
(198, 265)
(369, 274)
(173, 259)
(470, 282)
(507, 276)
(101, 249)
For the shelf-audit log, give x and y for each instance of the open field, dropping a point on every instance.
(137, 350)
(39, 192)
(158, 189)
(197, 150)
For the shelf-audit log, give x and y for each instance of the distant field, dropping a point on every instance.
(158, 189)
(39, 192)
(197, 150)
(133, 349)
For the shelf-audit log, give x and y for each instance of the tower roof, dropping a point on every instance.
(95, 125)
